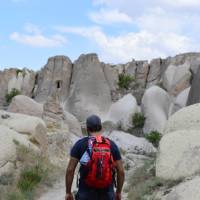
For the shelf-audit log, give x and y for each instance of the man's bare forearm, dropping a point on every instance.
(68, 180)
(120, 175)
(70, 174)
(120, 181)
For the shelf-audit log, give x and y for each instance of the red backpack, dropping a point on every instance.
(101, 164)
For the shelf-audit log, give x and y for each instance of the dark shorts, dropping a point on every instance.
(94, 195)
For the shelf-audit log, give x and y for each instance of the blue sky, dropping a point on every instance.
(118, 30)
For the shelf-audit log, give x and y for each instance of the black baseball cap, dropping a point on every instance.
(93, 121)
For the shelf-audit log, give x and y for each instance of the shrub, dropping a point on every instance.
(35, 172)
(29, 178)
(138, 120)
(21, 71)
(154, 137)
(125, 81)
(14, 92)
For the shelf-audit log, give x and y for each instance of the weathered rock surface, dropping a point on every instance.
(8, 138)
(185, 191)
(59, 145)
(187, 118)
(53, 110)
(192, 58)
(180, 101)
(177, 78)
(132, 144)
(194, 95)
(54, 78)
(154, 75)
(33, 127)
(25, 105)
(111, 75)
(155, 106)
(73, 124)
(23, 80)
(121, 112)
(89, 90)
(179, 155)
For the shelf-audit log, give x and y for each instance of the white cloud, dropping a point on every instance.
(32, 28)
(34, 37)
(182, 3)
(138, 45)
(105, 16)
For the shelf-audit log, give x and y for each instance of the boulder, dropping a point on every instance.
(73, 124)
(180, 101)
(177, 78)
(8, 140)
(89, 91)
(54, 78)
(121, 112)
(186, 190)
(33, 127)
(188, 118)
(194, 95)
(155, 106)
(179, 155)
(132, 144)
(25, 105)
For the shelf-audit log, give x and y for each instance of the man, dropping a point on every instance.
(85, 192)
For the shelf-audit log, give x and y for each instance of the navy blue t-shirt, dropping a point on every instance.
(79, 149)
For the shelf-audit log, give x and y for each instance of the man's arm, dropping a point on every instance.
(70, 175)
(120, 177)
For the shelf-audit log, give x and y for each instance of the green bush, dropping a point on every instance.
(14, 92)
(35, 172)
(154, 137)
(138, 120)
(125, 81)
(21, 71)
(29, 178)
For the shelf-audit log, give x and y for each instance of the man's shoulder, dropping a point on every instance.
(81, 141)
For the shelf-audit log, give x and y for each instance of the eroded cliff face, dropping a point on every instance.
(22, 80)
(88, 85)
(54, 78)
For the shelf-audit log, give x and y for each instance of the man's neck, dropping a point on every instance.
(95, 133)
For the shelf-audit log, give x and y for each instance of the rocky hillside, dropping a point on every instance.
(138, 101)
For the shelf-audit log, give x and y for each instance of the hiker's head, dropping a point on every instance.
(93, 124)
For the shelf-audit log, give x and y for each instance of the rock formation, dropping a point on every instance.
(194, 95)
(122, 111)
(89, 89)
(25, 105)
(54, 78)
(33, 127)
(187, 118)
(179, 155)
(155, 106)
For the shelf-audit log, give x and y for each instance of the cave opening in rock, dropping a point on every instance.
(58, 84)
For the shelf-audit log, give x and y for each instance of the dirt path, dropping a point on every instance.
(57, 192)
